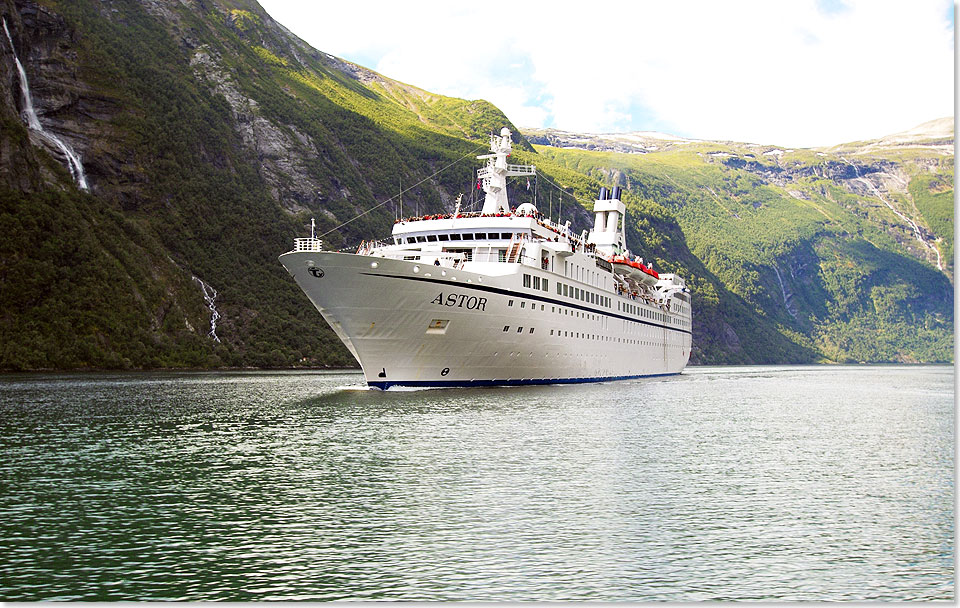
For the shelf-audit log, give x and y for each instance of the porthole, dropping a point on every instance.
(416, 269)
(374, 264)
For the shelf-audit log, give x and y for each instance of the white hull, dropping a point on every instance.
(414, 324)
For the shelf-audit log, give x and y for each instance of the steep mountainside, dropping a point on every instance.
(849, 250)
(210, 136)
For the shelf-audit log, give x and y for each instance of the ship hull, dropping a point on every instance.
(410, 324)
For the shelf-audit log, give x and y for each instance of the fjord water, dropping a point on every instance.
(742, 483)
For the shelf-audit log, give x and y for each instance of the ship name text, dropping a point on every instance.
(461, 301)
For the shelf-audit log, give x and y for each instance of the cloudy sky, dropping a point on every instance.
(794, 73)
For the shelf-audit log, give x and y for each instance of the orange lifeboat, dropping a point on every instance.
(634, 270)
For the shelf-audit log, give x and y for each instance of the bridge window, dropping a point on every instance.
(432, 238)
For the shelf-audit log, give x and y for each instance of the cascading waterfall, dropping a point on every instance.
(33, 121)
(210, 296)
(917, 233)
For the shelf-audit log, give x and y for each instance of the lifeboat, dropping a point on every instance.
(634, 270)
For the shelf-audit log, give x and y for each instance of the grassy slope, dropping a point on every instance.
(855, 295)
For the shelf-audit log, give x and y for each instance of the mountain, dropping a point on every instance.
(847, 249)
(210, 136)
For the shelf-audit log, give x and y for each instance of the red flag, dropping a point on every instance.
(478, 184)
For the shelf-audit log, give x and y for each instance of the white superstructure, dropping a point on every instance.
(499, 297)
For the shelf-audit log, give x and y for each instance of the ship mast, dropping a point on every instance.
(494, 175)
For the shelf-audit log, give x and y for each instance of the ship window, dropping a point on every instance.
(565, 290)
(506, 328)
(559, 289)
(545, 285)
(519, 330)
(431, 237)
(526, 280)
(467, 236)
(551, 332)
(531, 330)
(523, 304)
(454, 237)
(510, 303)
(536, 282)
(501, 255)
(505, 235)
(443, 237)
(421, 239)
(480, 236)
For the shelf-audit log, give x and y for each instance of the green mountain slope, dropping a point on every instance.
(210, 137)
(839, 249)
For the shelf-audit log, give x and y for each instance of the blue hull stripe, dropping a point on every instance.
(385, 384)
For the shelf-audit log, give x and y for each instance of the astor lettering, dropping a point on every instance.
(461, 301)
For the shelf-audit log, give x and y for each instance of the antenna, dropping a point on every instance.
(313, 228)
(401, 198)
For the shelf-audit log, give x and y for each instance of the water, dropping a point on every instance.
(768, 483)
(33, 121)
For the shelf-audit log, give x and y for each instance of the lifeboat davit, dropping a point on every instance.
(634, 270)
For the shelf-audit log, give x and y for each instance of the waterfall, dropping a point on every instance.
(917, 232)
(33, 121)
(210, 295)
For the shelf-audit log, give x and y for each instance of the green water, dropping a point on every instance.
(772, 483)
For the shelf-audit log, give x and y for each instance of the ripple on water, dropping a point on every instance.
(785, 483)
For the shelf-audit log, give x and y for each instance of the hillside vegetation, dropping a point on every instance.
(211, 136)
(824, 246)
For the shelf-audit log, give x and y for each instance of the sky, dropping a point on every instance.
(798, 73)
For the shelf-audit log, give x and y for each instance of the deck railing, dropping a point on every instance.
(307, 245)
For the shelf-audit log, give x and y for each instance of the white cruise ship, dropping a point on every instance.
(499, 297)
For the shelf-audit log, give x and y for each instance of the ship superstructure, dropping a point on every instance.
(499, 297)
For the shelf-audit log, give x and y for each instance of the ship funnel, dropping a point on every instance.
(603, 194)
(616, 193)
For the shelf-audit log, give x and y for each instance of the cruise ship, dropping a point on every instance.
(499, 297)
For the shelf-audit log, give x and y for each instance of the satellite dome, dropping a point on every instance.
(504, 132)
(527, 209)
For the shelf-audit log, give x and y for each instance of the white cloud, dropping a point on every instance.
(751, 70)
